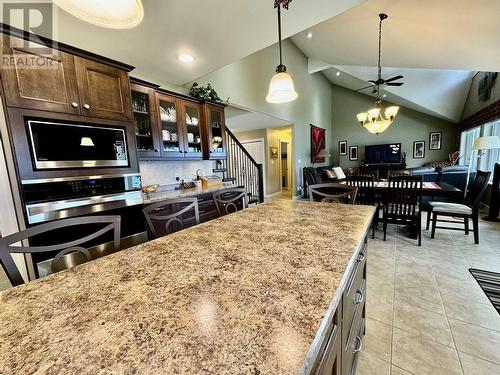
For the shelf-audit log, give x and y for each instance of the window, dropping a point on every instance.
(467, 139)
(490, 157)
(483, 160)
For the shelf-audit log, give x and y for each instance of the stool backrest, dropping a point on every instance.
(333, 192)
(171, 215)
(230, 200)
(74, 246)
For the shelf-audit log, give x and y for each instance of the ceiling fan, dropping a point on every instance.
(381, 81)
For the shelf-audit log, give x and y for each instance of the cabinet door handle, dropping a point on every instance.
(86, 106)
(74, 105)
(359, 346)
(361, 257)
(360, 299)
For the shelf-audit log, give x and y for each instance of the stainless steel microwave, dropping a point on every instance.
(56, 145)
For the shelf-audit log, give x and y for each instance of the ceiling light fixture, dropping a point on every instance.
(113, 14)
(186, 57)
(309, 35)
(373, 120)
(281, 88)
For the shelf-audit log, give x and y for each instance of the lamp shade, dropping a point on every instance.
(362, 117)
(323, 154)
(486, 143)
(281, 89)
(113, 14)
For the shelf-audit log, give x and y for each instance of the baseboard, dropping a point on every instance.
(277, 194)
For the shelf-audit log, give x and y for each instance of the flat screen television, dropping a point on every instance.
(383, 154)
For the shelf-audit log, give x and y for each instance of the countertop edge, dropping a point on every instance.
(312, 355)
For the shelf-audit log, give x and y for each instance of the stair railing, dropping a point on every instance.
(242, 169)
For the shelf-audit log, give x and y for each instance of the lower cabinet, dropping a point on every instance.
(344, 340)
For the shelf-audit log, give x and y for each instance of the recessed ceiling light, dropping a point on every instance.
(112, 14)
(309, 35)
(337, 74)
(384, 96)
(186, 58)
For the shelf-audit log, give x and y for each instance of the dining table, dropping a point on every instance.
(429, 189)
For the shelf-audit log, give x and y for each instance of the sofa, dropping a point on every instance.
(315, 175)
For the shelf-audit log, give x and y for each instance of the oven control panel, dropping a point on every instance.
(63, 189)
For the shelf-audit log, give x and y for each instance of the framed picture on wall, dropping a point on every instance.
(353, 152)
(435, 140)
(343, 148)
(317, 144)
(418, 149)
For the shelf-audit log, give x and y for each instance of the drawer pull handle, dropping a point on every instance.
(361, 257)
(359, 300)
(86, 106)
(74, 105)
(359, 346)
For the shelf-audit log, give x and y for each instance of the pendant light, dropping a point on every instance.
(377, 120)
(112, 14)
(281, 88)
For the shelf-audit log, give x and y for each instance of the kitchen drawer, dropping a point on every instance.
(354, 344)
(354, 295)
(331, 358)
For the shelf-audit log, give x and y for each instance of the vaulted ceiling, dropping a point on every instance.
(435, 45)
(216, 32)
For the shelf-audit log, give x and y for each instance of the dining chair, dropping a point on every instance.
(375, 173)
(333, 192)
(467, 210)
(230, 200)
(399, 172)
(366, 194)
(171, 215)
(402, 203)
(64, 250)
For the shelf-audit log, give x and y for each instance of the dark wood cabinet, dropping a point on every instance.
(215, 128)
(104, 90)
(192, 134)
(51, 87)
(145, 121)
(171, 130)
(64, 83)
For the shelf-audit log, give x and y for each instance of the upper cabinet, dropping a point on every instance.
(65, 83)
(215, 127)
(145, 121)
(104, 90)
(52, 89)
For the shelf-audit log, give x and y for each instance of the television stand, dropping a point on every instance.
(382, 169)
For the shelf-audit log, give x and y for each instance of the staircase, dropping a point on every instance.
(241, 169)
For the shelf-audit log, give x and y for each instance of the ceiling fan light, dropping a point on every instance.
(391, 112)
(362, 117)
(113, 14)
(377, 126)
(281, 89)
(373, 113)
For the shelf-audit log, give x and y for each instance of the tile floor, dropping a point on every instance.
(425, 312)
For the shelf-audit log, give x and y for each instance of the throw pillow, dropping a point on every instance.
(339, 173)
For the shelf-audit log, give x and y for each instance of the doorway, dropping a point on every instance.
(285, 180)
(256, 149)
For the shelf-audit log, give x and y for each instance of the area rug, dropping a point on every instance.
(490, 284)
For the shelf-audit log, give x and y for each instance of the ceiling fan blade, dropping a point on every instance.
(364, 88)
(395, 84)
(374, 82)
(393, 78)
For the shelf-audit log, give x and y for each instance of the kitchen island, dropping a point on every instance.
(259, 291)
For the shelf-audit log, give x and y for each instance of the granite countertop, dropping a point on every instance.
(158, 196)
(242, 294)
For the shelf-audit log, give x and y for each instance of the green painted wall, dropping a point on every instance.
(408, 127)
(472, 104)
(246, 83)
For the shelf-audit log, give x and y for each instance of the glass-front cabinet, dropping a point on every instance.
(215, 126)
(145, 125)
(171, 139)
(191, 116)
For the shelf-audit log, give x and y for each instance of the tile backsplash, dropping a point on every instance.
(165, 172)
